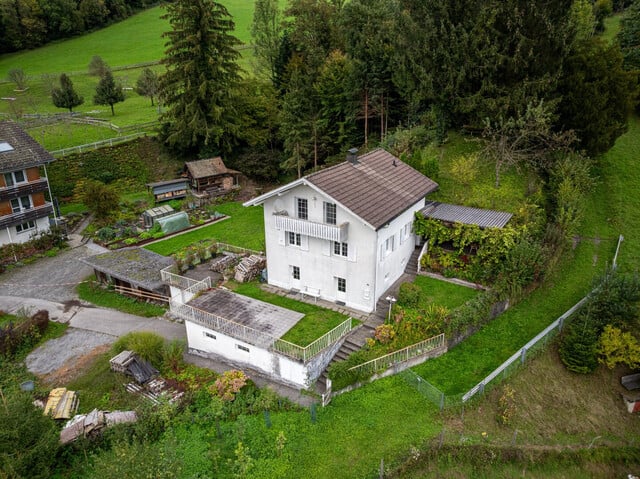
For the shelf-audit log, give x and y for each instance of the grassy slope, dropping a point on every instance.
(243, 229)
(445, 294)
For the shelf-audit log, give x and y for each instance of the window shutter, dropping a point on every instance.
(281, 237)
(351, 252)
(304, 242)
(326, 247)
(382, 252)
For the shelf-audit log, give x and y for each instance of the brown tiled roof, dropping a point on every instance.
(377, 188)
(209, 167)
(26, 151)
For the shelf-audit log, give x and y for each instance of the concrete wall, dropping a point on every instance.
(281, 368)
(11, 236)
(319, 266)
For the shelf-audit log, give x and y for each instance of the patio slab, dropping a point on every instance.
(258, 315)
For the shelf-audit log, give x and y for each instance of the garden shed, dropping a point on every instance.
(211, 176)
(169, 190)
(136, 270)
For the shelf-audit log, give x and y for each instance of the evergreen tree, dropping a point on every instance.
(148, 84)
(108, 92)
(266, 32)
(202, 76)
(66, 96)
(629, 37)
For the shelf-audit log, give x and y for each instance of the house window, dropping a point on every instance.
(21, 204)
(295, 272)
(15, 177)
(330, 213)
(209, 335)
(340, 249)
(404, 232)
(302, 208)
(242, 348)
(342, 285)
(29, 225)
(389, 245)
(294, 239)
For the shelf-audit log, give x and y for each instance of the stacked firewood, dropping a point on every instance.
(223, 262)
(250, 268)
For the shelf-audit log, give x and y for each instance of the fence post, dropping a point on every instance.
(523, 355)
(560, 323)
(441, 401)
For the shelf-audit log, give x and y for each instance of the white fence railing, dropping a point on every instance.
(311, 228)
(313, 349)
(199, 286)
(173, 279)
(97, 144)
(404, 354)
(259, 338)
(423, 251)
(236, 249)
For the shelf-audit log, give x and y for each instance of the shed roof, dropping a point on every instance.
(177, 181)
(137, 266)
(377, 187)
(209, 167)
(465, 214)
(22, 150)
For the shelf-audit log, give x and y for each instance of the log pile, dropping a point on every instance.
(250, 268)
(223, 262)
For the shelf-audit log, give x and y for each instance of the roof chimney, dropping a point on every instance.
(352, 156)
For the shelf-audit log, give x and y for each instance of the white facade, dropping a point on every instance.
(349, 262)
(239, 352)
(10, 234)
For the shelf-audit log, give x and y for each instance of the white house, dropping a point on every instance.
(344, 233)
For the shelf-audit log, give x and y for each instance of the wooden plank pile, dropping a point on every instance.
(128, 362)
(91, 424)
(250, 268)
(61, 404)
(223, 262)
(154, 390)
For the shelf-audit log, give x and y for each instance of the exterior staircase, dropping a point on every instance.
(358, 337)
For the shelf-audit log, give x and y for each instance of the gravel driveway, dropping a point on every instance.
(53, 279)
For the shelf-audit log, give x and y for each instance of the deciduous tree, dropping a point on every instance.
(66, 96)
(148, 84)
(202, 75)
(266, 32)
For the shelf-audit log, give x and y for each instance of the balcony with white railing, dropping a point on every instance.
(30, 214)
(311, 228)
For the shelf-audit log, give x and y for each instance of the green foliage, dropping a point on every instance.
(98, 67)
(108, 92)
(147, 84)
(101, 199)
(198, 87)
(507, 406)
(617, 347)
(629, 37)
(597, 94)
(28, 439)
(146, 344)
(17, 76)
(522, 266)
(266, 33)
(229, 384)
(66, 96)
(578, 350)
(409, 295)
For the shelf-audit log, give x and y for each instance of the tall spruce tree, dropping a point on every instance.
(108, 92)
(66, 96)
(202, 76)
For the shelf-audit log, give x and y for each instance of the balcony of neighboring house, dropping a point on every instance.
(314, 229)
(25, 215)
(23, 189)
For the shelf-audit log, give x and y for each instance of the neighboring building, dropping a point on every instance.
(135, 270)
(24, 209)
(169, 190)
(211, 176)
(344, 234)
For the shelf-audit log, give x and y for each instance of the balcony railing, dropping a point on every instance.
(311, 228)
(31, 214)
(22, 189)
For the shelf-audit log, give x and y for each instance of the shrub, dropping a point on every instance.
(384, 333)
(617, 347)
(409, 295)
(146, 344)
(522, 266)
(106, 234)
(229, 384)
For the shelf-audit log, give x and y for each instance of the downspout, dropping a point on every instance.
(46, 176)
(13, 249)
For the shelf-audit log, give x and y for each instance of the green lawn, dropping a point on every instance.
(316, 322)
(612, 27)
(244, 228)
(444, 293)
(99, 296)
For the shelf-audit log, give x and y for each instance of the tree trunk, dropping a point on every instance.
(366, 118)
(381, 115)
(112, 111)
